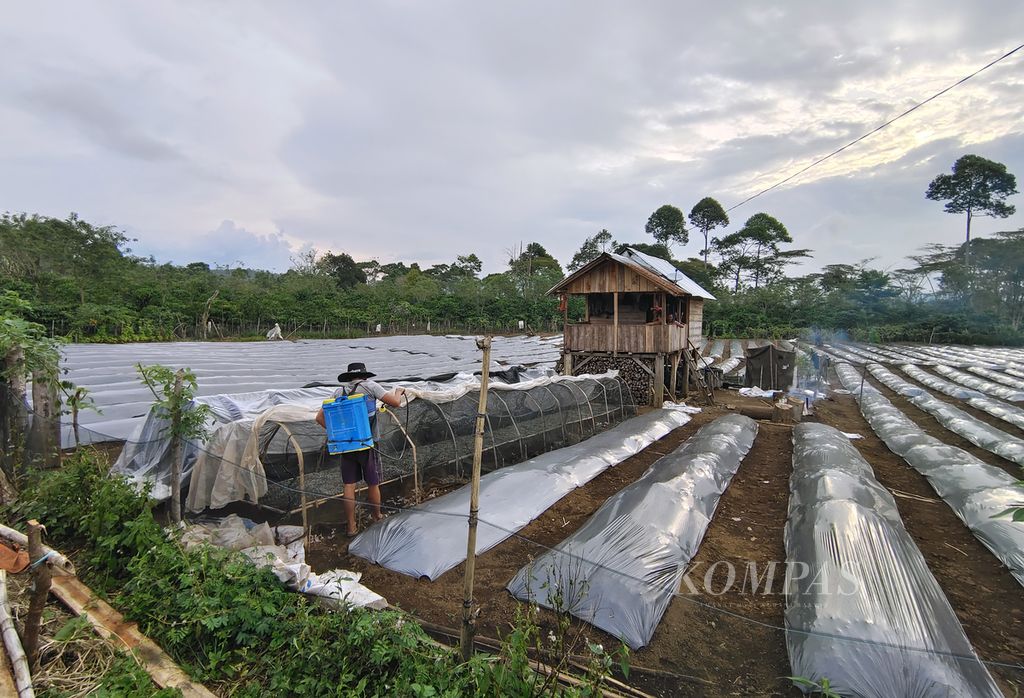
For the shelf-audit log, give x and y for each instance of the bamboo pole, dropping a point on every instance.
(61, 564)
(615, 323)
(468, 628)
(40, 590)
(303, 503)
(415, 462)
(176, 439)
(16, 653)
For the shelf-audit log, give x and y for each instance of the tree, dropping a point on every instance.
(533, 270)
(591, 249)
(977, 187)
(342, 268)
(756, 249)
(668, 226)
(706, 215)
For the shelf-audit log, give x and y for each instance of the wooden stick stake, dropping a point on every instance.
(12, 642)
(176, 439)
(40, 590)
(468, 625)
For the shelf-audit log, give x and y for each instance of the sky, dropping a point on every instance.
(246, 133)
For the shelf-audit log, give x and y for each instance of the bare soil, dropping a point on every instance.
(730, 644)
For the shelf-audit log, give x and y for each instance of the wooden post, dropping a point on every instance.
(659, 380)
(40, 591)
(567, 364)
(468, 623)
(673, 381)
(176, 451)
(45, 432)
(615, 323)
(686, 372)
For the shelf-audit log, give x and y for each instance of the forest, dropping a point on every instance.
(83, 283)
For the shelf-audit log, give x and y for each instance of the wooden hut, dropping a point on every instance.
(642, 316)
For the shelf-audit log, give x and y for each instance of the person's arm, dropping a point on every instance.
(320, 418)
(394, 398)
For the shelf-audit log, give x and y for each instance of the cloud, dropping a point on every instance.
(402, 131)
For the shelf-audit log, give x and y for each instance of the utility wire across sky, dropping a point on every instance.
(876, 129)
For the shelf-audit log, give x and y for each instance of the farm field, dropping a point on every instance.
(724, 637)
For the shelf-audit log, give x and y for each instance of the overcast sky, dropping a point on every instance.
(243, 132)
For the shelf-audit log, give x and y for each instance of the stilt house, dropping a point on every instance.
(642, 316)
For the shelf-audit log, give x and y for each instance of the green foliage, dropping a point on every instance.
(37, 351)
(591, 249)
(667, 226)
(822, 688)
(706, 215)
(977, 187)
(237, 628)
(160, 380)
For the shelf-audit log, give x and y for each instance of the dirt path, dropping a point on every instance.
(986, 598)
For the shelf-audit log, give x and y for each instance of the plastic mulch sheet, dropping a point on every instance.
(973, 489)
(620, 570)
(1010, 414)
(998, 390)
(956, 420)
(868, 615)
(431, 539)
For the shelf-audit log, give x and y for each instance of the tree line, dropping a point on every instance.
(83, 282)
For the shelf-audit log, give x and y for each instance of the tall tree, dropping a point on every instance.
(668, 226)
(591, 249)
(706, 215)
(977, 187)
(342, 268)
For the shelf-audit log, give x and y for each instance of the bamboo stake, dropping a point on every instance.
(179, 378)
(61, 564)
(468, 625)
(415, 463)
(303, 502)
(40, 590)
(15, 651)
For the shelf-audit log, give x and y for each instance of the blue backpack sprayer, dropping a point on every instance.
(347, 420)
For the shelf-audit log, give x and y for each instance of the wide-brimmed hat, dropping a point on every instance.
(355, 370)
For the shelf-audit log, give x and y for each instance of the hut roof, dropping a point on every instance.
(660, 272)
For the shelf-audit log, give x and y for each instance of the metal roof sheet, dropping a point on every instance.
(664, 269)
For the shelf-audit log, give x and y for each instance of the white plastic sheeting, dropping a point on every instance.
(282, 550)
(974, 490)
(998, 377)
(995, 389)
(241, 367)
(620, 570)
(868, 615)
(953, 418)
(1004, 411)
(431, 539)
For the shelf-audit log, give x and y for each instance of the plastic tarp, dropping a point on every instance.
(868, 615)
(431, 539)
(770, 368)
(1004, 411)
(986, 386)
(282, 550)
(108, 371)
(620, 570)
(974, 490)
(953, 418)
(998, 377)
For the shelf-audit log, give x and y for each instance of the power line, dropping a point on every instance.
(877, 128)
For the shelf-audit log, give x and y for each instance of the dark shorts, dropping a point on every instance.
(360, 465)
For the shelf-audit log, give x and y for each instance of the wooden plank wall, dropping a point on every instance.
(633, 339)
(696, 324)
(610, 276)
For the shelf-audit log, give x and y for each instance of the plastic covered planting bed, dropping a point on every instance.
(431, 539)
(620, 570)
(862, 608)
(976, 491)
(956, 420)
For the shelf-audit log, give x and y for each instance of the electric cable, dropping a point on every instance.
(877, 128)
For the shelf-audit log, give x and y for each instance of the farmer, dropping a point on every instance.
(362, 465)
